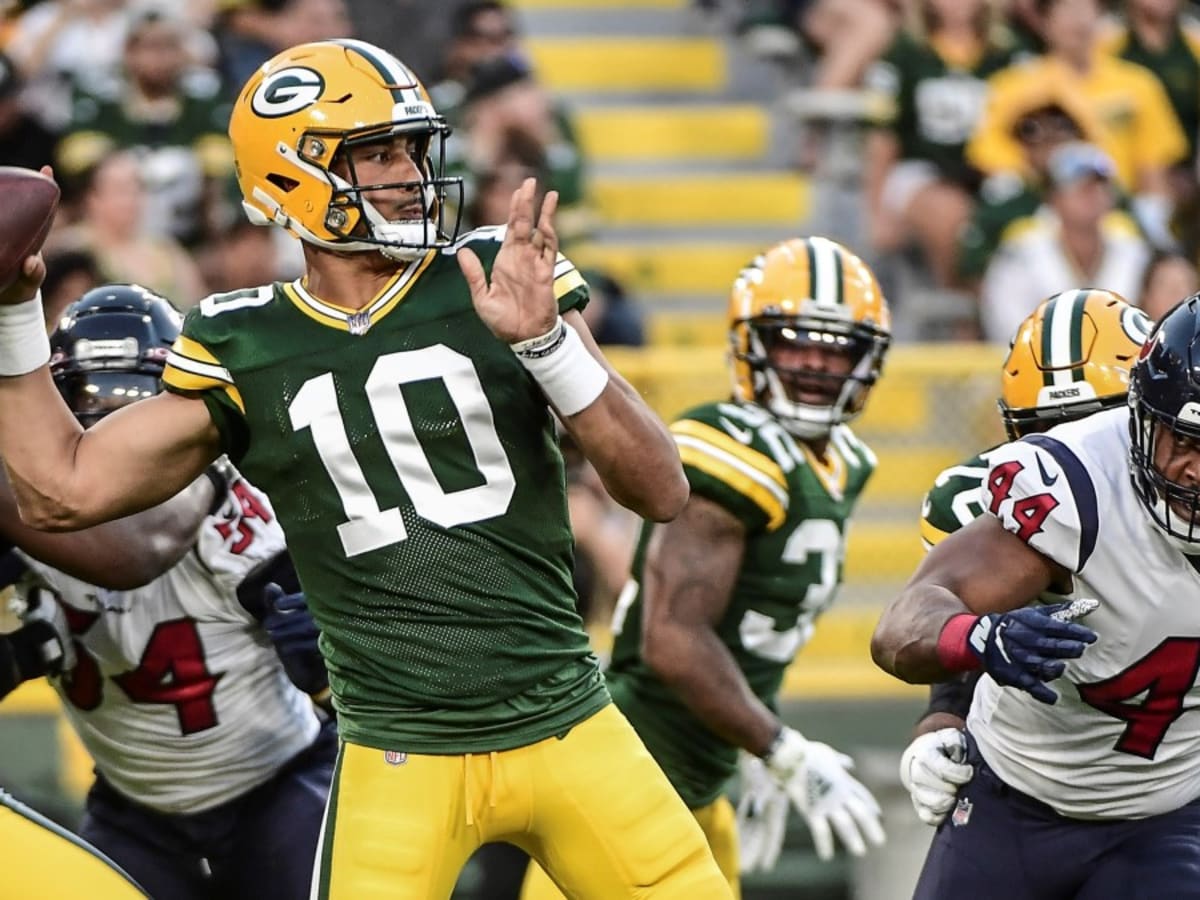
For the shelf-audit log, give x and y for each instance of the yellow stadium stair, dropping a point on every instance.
(676, 268)
(725, 200)
(620, 64)
(724, 131)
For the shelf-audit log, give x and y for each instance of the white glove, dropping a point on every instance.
(40, 605)
(932, 769)
(761, 816)
(817, 779)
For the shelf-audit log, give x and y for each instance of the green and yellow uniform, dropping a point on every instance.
(375, 435)
(795, 509)
(936, 98)
(413, 464)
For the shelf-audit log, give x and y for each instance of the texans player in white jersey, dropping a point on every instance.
(212, 765)
(1086, 790)
(1069, 359)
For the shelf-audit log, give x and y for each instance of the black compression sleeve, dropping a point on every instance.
(954, 696)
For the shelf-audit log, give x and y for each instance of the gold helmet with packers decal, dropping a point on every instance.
(1070, 358)
(291, 128)
(807, 292)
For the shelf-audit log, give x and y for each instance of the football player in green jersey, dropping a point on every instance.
(396, 404)
(1069, 359)
(722, 598)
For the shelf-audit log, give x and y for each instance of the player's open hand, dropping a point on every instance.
(1027, 647)
(518, 303)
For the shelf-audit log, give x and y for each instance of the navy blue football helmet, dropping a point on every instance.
(110, 347)
(1164, 389)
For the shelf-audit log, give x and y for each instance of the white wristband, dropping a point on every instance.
(24, 345)
(567, 373)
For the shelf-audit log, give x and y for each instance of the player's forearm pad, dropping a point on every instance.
(567, 373)
(24, 345)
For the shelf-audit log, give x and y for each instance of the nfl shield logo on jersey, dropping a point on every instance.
(394, 757)
(962, 813)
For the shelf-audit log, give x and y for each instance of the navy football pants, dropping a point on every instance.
(261, 845)
(1012, 846)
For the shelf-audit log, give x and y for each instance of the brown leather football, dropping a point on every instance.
(28, 201)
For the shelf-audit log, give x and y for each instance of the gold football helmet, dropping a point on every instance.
(1070, 358)
(804, 293)
(291, 127)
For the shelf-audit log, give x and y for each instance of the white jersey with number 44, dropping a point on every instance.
(178, 693)
(1123, 740)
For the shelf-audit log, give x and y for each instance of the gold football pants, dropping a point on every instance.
(717, 820)
(592, 808)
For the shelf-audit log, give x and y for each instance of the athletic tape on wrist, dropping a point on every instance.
(567, 373)
(953, 651)
(24, 345)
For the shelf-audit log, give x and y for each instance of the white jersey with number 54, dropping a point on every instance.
(177, 692)
(1124, 737)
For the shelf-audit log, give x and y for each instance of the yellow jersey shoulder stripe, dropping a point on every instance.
(746, 454)
(746, 481)
(568, 281)
(191, 367)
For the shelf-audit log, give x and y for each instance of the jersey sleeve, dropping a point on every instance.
(232, 541)
(1041, 492)
(570, 290)
(193, 370)
(724, 463)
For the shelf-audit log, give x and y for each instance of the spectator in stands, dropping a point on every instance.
(1169, 278)
(24, 140)
(504, 107)
(243, 255)
(60, 44)
(918, 184)
(1077, 239)
(1139, 129)
(111, 201)
(1042, 118)
(1158, 35)
(479, 30)
(176, 128)
(249, 32)
(848, 36)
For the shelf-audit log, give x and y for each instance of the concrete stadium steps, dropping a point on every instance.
(727, 200)
(673, 268)
(618, 65)
(728, 132)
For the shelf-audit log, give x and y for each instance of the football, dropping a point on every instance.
(30, 200)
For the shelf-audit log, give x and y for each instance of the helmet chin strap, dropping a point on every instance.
(403, 241)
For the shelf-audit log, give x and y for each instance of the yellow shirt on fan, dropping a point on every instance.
(1139, 129)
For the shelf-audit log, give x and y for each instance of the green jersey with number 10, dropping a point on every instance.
(414, 467)
(795, 508)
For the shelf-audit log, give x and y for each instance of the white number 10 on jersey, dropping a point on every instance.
(367, 527)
